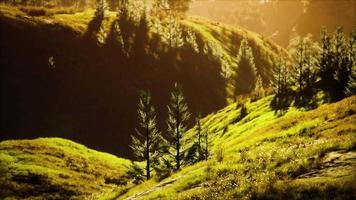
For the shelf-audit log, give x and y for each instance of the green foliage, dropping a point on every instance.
(245, 74)
(351, 86)
(172, 32)
(191, 41)
(199, 148)
(336, 64)
(101, 6)
(178, 116)
(146, 146)
(136, 173)
(305, 54)
(262, 152)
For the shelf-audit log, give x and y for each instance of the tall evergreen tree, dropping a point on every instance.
(342, 64)
(173, 32)
(191, 41)
(126, 25)
(259, 84)
(305, 54)
(148, 141)
(199, 136)
(141, 36)
(244, 76)
(101, 6)
(178, 115)
(336, 64)
(351, 86)
(281, 78)
(206, 143)
(326, 71)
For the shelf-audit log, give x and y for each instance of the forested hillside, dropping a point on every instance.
(197, 109)
(79, 75)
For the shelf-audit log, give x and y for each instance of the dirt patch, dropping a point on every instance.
(335, 165)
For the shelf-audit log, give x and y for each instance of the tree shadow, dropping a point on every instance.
(281, 103)
(93, 27)
(306, 99)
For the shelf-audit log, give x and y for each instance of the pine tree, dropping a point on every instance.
(244, 76)
(297, 50)
(281, 79)
(326, 71)
(199, 142)
(148, 141)
(142, 36)
(191, 41)
(305, 55)
(196, 151)
(135, 172)
(206, 143)
(173, 32)
(336, 64)
(199, 135)
(101, 6)
(127, 26)
(259, 90)
(259, 84)
(351, 86)
(178, 115)
(342, 64)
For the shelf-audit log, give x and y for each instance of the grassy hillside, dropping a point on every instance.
(54, 168)
(70, 71)
(296, 155)
(265, 155)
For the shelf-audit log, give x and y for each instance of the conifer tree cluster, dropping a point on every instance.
(328, 67)
(244, 78)
(164, 154)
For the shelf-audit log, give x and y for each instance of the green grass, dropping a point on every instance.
(263, 155)
(56, 168)
(260, 156)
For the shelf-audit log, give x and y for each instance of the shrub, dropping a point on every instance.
(220, 154)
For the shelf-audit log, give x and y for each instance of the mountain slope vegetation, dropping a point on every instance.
(54, 168)
(83, 84)
(296, 155)
(299, 154)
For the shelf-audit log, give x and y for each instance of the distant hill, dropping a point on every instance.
(63, 75)
(54, 168)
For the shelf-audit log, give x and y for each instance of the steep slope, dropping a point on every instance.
(54, 168)
(264, 155)
(64, 75)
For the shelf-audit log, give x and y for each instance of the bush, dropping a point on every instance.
(135, 172)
